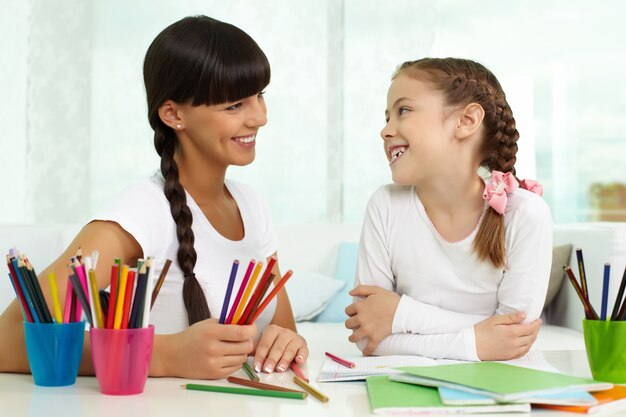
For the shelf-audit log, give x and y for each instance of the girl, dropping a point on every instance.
(204, 82)
(451, 264)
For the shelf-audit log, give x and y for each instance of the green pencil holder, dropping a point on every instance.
(605, 342)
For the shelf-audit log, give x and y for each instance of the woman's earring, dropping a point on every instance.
(179, 127)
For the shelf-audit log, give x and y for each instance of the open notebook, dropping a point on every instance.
(384, 365)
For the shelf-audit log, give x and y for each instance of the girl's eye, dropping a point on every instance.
(402, 110)
(234, 106)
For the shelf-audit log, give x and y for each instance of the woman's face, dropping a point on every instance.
(417, 135)
(223, 134)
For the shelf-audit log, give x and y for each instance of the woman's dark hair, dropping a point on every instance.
(201, 61)
(462, 82)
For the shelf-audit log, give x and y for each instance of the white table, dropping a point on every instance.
(164, 396)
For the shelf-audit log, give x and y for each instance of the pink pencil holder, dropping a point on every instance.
(122, 359)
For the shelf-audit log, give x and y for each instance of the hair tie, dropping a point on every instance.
(497, 190)
(502, 184)
(192, 275)
(532, 186)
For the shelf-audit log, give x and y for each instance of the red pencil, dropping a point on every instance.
(340, 361)
(257, 291)
(128, 298)
(296, 370)
(112, 297)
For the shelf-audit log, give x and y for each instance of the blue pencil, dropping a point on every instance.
(605, 291)
(229, 290)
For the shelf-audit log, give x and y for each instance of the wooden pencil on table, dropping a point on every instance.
(314, 392)
(250, 372)
(260, 385)
(245, 391)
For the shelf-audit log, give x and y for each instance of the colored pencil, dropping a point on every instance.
(82, 297)
(137, 309)
(160, 281)
(261, 385)
(112, 296)
(340, 361)
(19, 292)
(581, 272)
(67, 317)
(97, 305)
(104, 303)
(296, 370)
(618, 298)
(128, 298)
(271, 295)
(605, 291)
(54, 292)
(247, 318)
(314, 392)
(590, 313)
(144, 303)
(245, 391)
(88, 265)
(246, 293)
(242, 287)
(121, 295)
(229, 290)
(252, 302)
(29, 271)
(25, 285)
(250, 372)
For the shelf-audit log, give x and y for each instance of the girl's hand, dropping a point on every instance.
(371, 317)
(208, 350)
(277, 348)
(504, 337)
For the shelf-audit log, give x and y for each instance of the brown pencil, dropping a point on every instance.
(260, 385)
(589, 311)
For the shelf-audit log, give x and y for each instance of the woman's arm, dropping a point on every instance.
(106, 237)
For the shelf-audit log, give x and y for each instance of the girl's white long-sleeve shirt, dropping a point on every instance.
(445, 289)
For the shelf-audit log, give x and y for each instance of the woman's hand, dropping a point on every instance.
(504, 337)
(277, 348)
(371, 317)
(207, 350)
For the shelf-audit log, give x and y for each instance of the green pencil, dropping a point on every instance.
(250, 372)
(246, 391)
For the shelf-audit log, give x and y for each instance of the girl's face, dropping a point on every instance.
(418, 134)
(224, 134)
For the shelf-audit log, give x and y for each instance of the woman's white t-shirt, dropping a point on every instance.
(445, 289)
(143, 211)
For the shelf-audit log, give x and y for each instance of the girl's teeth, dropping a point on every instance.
(245, 140)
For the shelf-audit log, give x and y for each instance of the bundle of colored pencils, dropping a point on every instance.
(126, 306)
(249, 304)
(582, 290)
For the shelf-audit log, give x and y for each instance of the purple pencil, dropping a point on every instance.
(229, 290)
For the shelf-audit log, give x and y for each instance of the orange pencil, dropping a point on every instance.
(112, 297)
(128, 298)
(246, 294)
(271, 295)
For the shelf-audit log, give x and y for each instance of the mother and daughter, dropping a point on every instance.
(451, 264)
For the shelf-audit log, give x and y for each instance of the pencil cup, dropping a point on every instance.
(54, 352)
(605, 342)
(122, 359)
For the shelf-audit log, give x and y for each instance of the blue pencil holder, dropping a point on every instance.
(54, 352)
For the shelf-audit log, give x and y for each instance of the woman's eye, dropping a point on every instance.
(234, 106)
(402, 110)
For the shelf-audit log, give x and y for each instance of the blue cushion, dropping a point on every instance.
(345, 271)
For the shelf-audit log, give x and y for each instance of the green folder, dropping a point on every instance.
(498, 380)
(388, 397)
